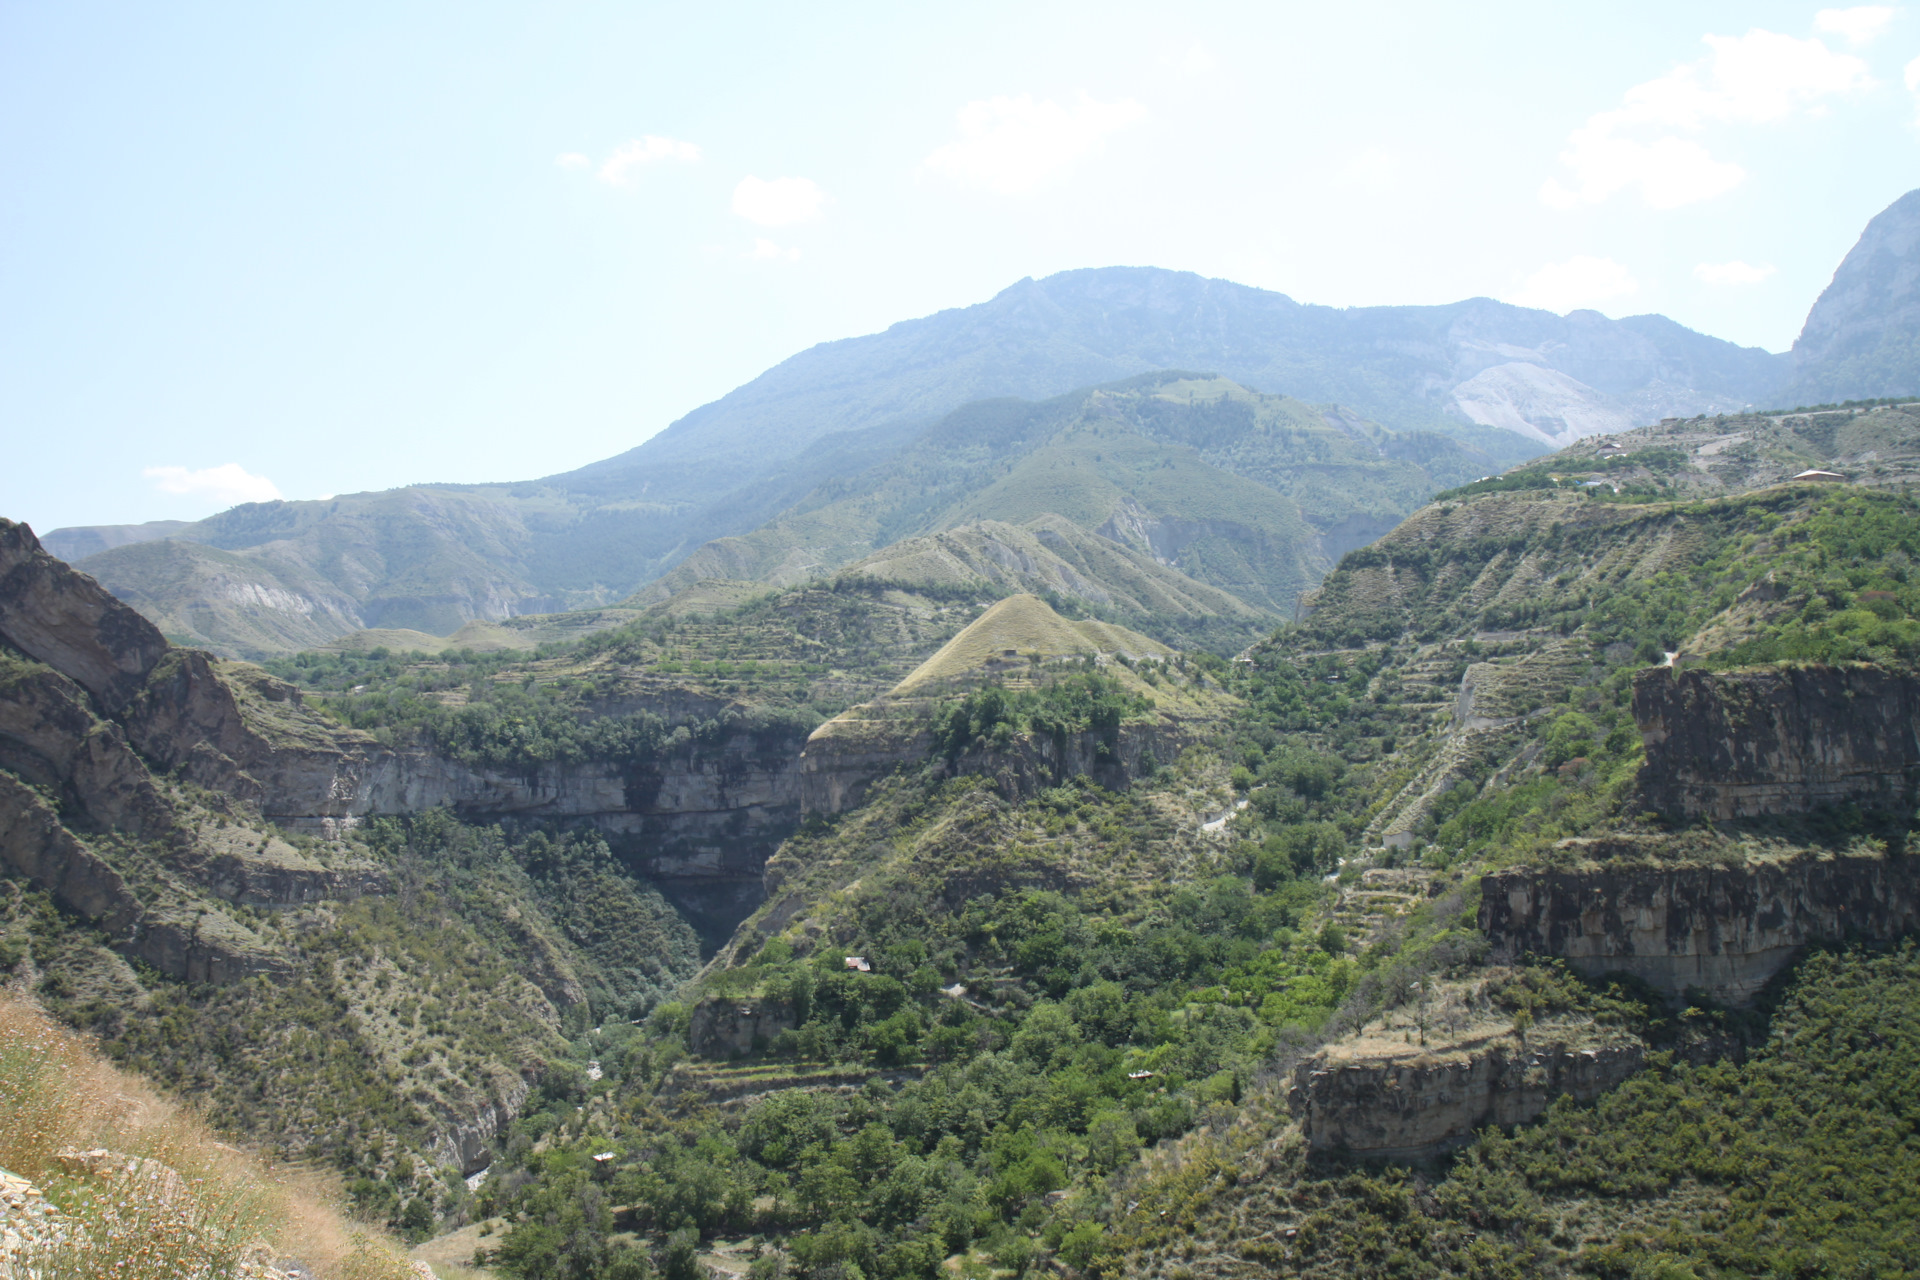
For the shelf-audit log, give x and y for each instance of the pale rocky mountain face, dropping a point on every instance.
(1541, 403)
(1862, 338)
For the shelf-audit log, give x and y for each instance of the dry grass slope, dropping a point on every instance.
(1023, 626)
(195, 1209)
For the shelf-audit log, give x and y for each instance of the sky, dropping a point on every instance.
(252, 251)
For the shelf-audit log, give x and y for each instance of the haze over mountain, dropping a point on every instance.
(1503, 381)
(1401, 366)
(1862, 338)
(1254, 495)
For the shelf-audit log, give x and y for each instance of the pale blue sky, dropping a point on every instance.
(248, 249)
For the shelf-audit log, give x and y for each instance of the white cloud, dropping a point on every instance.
(778, 202)
(227, 484)
(623, 164)
(1012, 144)
(765, 250)
(1859, 24)
(571, 160)
(1374, 169)
(1758, 78)
(1197, 61)
(1670, 172)
(1735, 272)
(1580, 281)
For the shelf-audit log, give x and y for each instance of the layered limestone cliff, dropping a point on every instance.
(1721, 930)
(111, 702)
(161, 924)
(1737, 744)
(847, 754)
(1420, 1103)
(71, 623)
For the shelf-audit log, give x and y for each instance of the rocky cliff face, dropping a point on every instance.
(159, 925)
(108, 705)
(467, 1141)
(1724, 930)
(849, 753)
(1419, 1105)
(73, 778)
(68, 621)
(1734, 744)
(1860, 337)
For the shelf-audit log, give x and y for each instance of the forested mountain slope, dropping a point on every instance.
(1252, 495)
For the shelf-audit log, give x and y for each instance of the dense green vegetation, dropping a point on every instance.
(1813, 541)
(772, 668)
(1798, 1157)
(1081, 702)
(1104, 1006)
(1623, 477)
(1845, 587)
(1100, 1007)
(526, 726)
(338, 670)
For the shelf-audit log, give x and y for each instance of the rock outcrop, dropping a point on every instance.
(1739, 744)
(1417, 1105)
(50, 737)
(30, 1228)
(161, 926)
(726, 1027)
(845, 756)
(467, 1143)
(70, 622)
(1721, 930)
(1859, 337)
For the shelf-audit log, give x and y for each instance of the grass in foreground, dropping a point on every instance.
(173, 1203)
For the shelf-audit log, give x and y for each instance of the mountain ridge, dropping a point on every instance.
(1504, 379)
